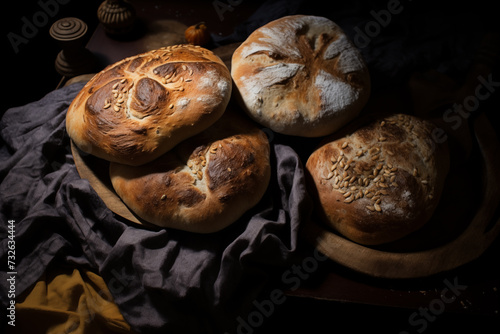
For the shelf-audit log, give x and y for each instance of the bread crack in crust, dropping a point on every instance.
(139, 108)
(203, 184)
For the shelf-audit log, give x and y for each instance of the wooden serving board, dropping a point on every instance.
(464, 225)
(96, 171)
(467, 220)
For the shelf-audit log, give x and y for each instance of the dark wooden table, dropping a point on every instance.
(220, 21)
(326, 294)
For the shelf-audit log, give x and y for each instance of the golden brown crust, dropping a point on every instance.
(203, 184)
(380, 182)
(137, 109)
(300, 75)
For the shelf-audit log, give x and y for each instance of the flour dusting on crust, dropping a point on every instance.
(292, 76)
(266, 77)
(283, 38)
(335, 95)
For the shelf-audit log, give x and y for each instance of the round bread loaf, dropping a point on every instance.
(380, 182)
(139, 108)
(203, 184)
(300, 75)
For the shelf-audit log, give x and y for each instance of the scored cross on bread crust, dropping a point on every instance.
(300, 75)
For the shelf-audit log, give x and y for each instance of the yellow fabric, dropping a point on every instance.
(68, 301)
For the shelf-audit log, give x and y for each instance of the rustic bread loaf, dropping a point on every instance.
(139, 108)
(203, 184)
(380, 182)
(300, 75)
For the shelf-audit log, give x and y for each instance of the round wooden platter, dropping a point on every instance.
(96, 171)
(464, 225)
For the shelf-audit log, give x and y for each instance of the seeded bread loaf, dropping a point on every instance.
(380, 182)
(203, 184)
(300, 75)
(139, 108)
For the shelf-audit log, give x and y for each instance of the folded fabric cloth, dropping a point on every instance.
(161, 279)
(66, 300)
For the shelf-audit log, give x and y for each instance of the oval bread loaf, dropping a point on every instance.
(203, 184)
(300, 75)
(139, 108)
(380, 182)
